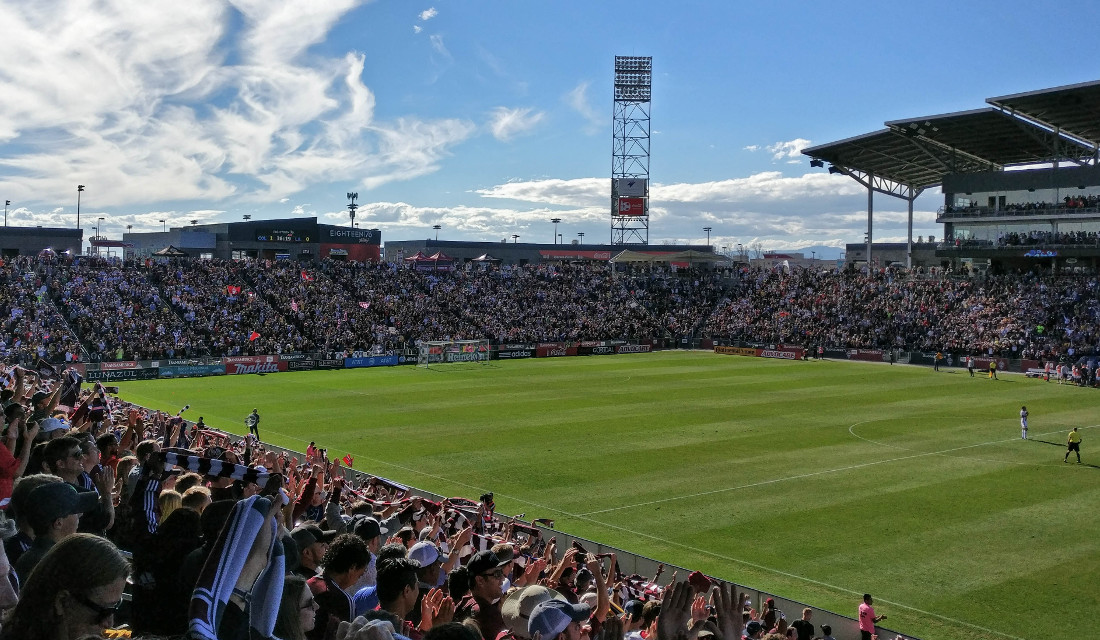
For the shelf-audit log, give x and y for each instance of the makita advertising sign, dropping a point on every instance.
(239, 368)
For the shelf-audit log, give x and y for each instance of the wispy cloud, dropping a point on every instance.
(417, 28)
(157, 115)
(428, 14)
(579, 101)
(505, 123)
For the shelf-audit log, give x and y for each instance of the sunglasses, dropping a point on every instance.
(102, 613)
(498, 574)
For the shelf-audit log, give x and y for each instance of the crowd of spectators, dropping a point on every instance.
(88, 309)
(118, 515)
(1080, 201)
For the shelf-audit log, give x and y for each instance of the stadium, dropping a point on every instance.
(284, 428)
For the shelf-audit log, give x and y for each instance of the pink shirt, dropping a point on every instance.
(866, 617)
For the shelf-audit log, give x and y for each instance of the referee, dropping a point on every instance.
(1073, 445)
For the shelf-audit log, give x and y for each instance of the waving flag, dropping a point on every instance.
(233, 290)
(365, 305)
(306, 276)
(348, 460)
(253, 336)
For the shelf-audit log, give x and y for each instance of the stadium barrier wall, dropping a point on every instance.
(844, 627)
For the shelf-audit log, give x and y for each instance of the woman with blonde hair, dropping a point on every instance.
(75, 590)
(169, 501)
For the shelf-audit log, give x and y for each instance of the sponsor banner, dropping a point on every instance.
(595, 350)
(784, 354)
(240, 368)
(249, 360)
(983, 363)
(513, 347)
(736, 351)
(192, 370)
(554, 350)
(630, 187)
(573, 254)
(631, 207)
(323, 363)
(114, 366)
(344, 235)
(867, 355)
(290, 357)
(591, 343)
(466, 356)
(635, 348)
(372, 361)
(122, 374)
(300, 365)
(513, 354)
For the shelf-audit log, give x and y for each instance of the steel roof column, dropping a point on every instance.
(909, 246)
(870, 214)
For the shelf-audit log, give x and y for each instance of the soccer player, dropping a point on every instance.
(253, 423)
(1023, 422)
(993, 370)
(1073, 445)
(970, 365)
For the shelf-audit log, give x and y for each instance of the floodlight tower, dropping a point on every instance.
(352, 197)
(630, 150)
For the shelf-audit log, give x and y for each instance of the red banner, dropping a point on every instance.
(250, 359)
(259, 367)
(554, 350)
(983, 363)
(867, 355)
(632, 207)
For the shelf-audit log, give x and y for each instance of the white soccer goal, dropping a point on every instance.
(437, 352)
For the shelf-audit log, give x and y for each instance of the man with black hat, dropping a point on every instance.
(53, 510)
(483, 602)
(312, 542)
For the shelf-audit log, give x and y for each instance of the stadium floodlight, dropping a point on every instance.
(352, 197)
(835, 169)
(708, 230)
(247, 216)
(817, 163)
(79, 190)
(437, 227)
(162, 229)
(6, 203)
(555, 221)
(515, 238)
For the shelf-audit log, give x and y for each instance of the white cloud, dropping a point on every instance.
(428, 14)
(137, 102)
(788, 149)
(505, 123)
(752, 147)
(417, 28)
(437, 44)
(578, 99)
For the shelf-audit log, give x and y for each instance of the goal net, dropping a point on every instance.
(440, 352)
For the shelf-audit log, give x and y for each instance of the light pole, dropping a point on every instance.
(6, 203)
(580, 234)
(515, 238)
(559, 239)
(555, 221)
(162, 229)
(813, 257)
(707, 229)
(194, 222)
(352, 197)
(129, 227)
(437, 227)
(247, 216)
(79, 190)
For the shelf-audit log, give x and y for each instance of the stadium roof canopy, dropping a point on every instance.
(913, 154)
(1073, 109)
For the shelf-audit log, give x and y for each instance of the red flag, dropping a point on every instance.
(232, 290)
(253, 336)
(348, 460)
(365, 305)
(294, 305)
(306, 276)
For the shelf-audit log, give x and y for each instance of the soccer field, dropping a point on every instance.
(818, 481)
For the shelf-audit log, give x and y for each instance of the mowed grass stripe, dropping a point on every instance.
(849, 491)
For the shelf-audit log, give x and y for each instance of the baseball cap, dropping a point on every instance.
(425, 553)
(633, 608)
(307, 534)
(517, 607)
(753, 627)
(58, 500)
(482, 561)
(52, 424)
(39, 396)
(553, 616)
(366, 527)
(699, 581)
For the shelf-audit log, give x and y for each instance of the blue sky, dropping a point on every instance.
(490, 117)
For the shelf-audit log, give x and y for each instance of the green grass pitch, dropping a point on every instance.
(815, 480)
